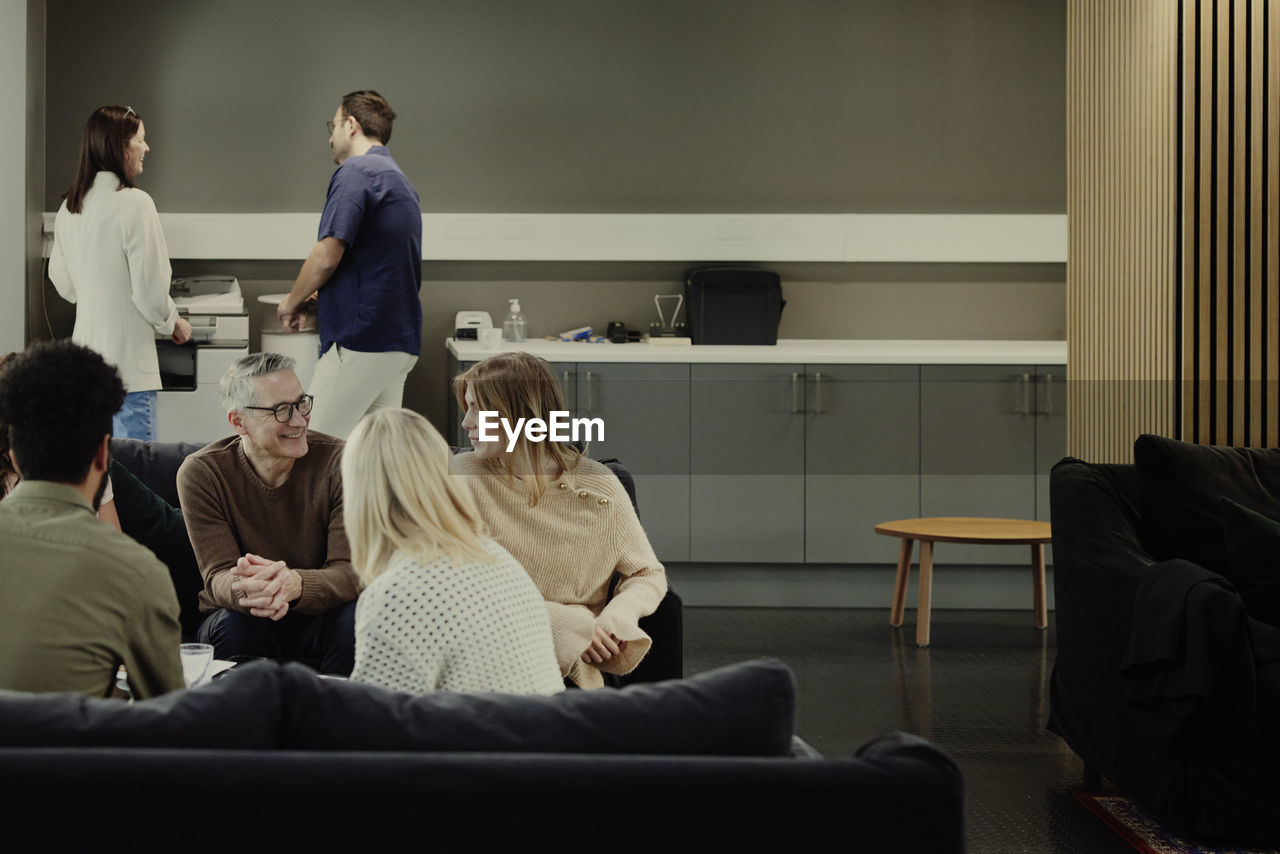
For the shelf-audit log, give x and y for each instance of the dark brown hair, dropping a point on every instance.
(106, 135)
(372, 112)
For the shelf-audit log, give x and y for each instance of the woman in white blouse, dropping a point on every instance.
(109, 257)
(444, 607)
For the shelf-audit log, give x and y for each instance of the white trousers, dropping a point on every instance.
(349, 384)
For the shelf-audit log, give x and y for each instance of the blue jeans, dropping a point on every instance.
(137, 418)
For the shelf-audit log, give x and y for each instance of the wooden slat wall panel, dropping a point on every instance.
(1271, 251)
(1230, 292)
(1122, 207)
(1201, 156)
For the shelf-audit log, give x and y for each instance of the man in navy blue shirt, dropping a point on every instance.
(367, 268)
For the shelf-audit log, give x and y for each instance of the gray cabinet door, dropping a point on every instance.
(567, 373)
(747, 458)
(978, 450)
(1051, 429)
(645, 413)
(862, 459)
(1051, 434)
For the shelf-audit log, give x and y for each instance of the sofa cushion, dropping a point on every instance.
(154, 463)
(1181, 489)
(240, 710)
(743, 710)
(1253, 559)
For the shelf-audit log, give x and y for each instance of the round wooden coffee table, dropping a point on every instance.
(961, 529)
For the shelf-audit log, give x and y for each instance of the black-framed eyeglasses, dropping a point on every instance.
(329, 125)
(284, 411)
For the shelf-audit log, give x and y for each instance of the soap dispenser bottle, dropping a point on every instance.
(513, 326)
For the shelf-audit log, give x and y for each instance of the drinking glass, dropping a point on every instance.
(196, 658)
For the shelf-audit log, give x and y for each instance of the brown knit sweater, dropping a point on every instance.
(230, 512)
(580, 533)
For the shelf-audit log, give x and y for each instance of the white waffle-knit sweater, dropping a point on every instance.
(455, 624)
(582, 530)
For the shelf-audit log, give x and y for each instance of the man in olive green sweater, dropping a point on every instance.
(264, 511)
(77, 597)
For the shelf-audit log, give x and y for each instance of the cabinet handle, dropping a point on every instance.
(1048, 395)
(817, 393)
(796, 405)
(590, 402)
(1026, 395)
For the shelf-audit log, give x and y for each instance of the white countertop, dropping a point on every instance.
(803, 350)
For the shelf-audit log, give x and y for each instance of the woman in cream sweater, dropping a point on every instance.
(565, 517)
(109, 257)
(444, 607)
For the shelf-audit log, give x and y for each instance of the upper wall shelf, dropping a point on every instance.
(893, 238)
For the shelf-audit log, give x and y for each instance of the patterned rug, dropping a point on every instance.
(1145, 833)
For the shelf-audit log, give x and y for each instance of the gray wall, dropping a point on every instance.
(584, 105)
(34, 174)
(604, 106)
(21, 76)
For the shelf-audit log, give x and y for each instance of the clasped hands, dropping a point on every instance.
(604, 646)
(265, 587)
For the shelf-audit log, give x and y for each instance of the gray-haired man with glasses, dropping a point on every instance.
(264, 511)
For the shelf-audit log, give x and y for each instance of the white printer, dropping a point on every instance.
(188, 408)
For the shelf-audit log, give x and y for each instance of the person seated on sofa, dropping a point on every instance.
(564, 516)
(144, 516)
(77, 597)
(9, 476)
(444, 608)
(263, 508)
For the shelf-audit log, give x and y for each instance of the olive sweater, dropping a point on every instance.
(231, 512)
(78, 599)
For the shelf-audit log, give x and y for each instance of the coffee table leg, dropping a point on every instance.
(924, 608)
(1037, 586)
(899, 604)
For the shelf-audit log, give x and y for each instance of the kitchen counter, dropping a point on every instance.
(808, 351)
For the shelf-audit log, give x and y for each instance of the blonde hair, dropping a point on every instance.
(398, 495)
(520, 385)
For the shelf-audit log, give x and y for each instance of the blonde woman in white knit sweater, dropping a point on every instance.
(444, 607)
(565, 517)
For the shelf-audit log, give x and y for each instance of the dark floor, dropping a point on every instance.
(980, 692)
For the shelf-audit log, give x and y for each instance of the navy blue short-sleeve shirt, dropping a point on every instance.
(370, 303)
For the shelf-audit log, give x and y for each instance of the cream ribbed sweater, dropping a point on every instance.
(582, 530)
(455, 624)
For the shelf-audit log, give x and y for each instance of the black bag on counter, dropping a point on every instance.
(733, 305)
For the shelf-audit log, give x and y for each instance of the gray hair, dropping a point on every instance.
(236, 389)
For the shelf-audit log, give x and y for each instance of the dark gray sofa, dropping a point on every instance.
(145, 475)
(272, 754)
(1166, 681)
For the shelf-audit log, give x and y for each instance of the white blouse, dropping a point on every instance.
(111, 260)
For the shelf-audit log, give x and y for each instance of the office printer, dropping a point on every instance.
(188, 408)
